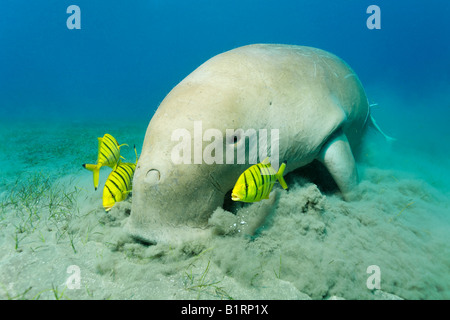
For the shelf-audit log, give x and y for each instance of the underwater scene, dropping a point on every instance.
(225, 150)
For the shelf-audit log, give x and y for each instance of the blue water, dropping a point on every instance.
(127, 56)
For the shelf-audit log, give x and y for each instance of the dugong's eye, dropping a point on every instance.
(235, 138)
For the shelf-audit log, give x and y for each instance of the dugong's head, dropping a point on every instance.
(182, 175)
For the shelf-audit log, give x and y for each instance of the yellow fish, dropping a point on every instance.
(119, 184)
(256, 182)
(108, 155)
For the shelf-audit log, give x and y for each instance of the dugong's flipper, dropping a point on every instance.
(337, 157)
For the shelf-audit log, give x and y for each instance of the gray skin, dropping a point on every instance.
(314, 98)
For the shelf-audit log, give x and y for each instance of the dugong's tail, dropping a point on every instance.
(371, 121)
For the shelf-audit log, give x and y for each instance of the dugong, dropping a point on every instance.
(313, 98)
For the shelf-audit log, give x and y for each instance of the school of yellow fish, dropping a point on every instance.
(253, 185)
(119, 182)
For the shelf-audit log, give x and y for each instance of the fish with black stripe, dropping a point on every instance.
(108, 155)
(119, 183)
(257, 182)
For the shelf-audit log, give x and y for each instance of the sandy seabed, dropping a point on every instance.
(305, 244)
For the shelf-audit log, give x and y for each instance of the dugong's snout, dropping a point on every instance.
(160, 212)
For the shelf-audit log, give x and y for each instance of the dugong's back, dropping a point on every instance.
(291, 83)
(304, 92)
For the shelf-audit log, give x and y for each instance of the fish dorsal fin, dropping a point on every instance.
(266, 161)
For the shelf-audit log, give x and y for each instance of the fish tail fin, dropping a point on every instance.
(279, 175)
(95, 168)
